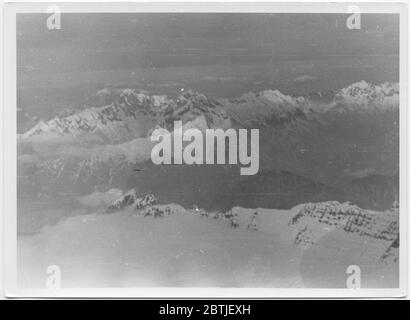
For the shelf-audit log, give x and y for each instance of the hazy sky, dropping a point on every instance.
(219, 54)
(115, 41)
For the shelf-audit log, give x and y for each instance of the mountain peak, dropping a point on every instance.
(268, 107)
(132, 113)
(363, 96)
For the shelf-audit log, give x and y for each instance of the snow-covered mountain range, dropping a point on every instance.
(132, 113)
(308, 223)
(353, 137)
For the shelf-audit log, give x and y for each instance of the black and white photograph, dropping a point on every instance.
(183, 148)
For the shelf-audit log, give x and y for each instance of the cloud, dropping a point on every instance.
(304, 78)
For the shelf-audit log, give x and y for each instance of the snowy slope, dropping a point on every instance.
(196, 248)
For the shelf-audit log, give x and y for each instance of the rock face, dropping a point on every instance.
(157, 211)
(392, 253)
(313, 220)
(191, 105)
(124, 201)
(131, 198)
(364, 96)
(145, 201)
(145, 205)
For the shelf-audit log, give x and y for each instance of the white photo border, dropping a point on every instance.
(11, 8)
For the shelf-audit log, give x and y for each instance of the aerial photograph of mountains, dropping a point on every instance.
(322, 96)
